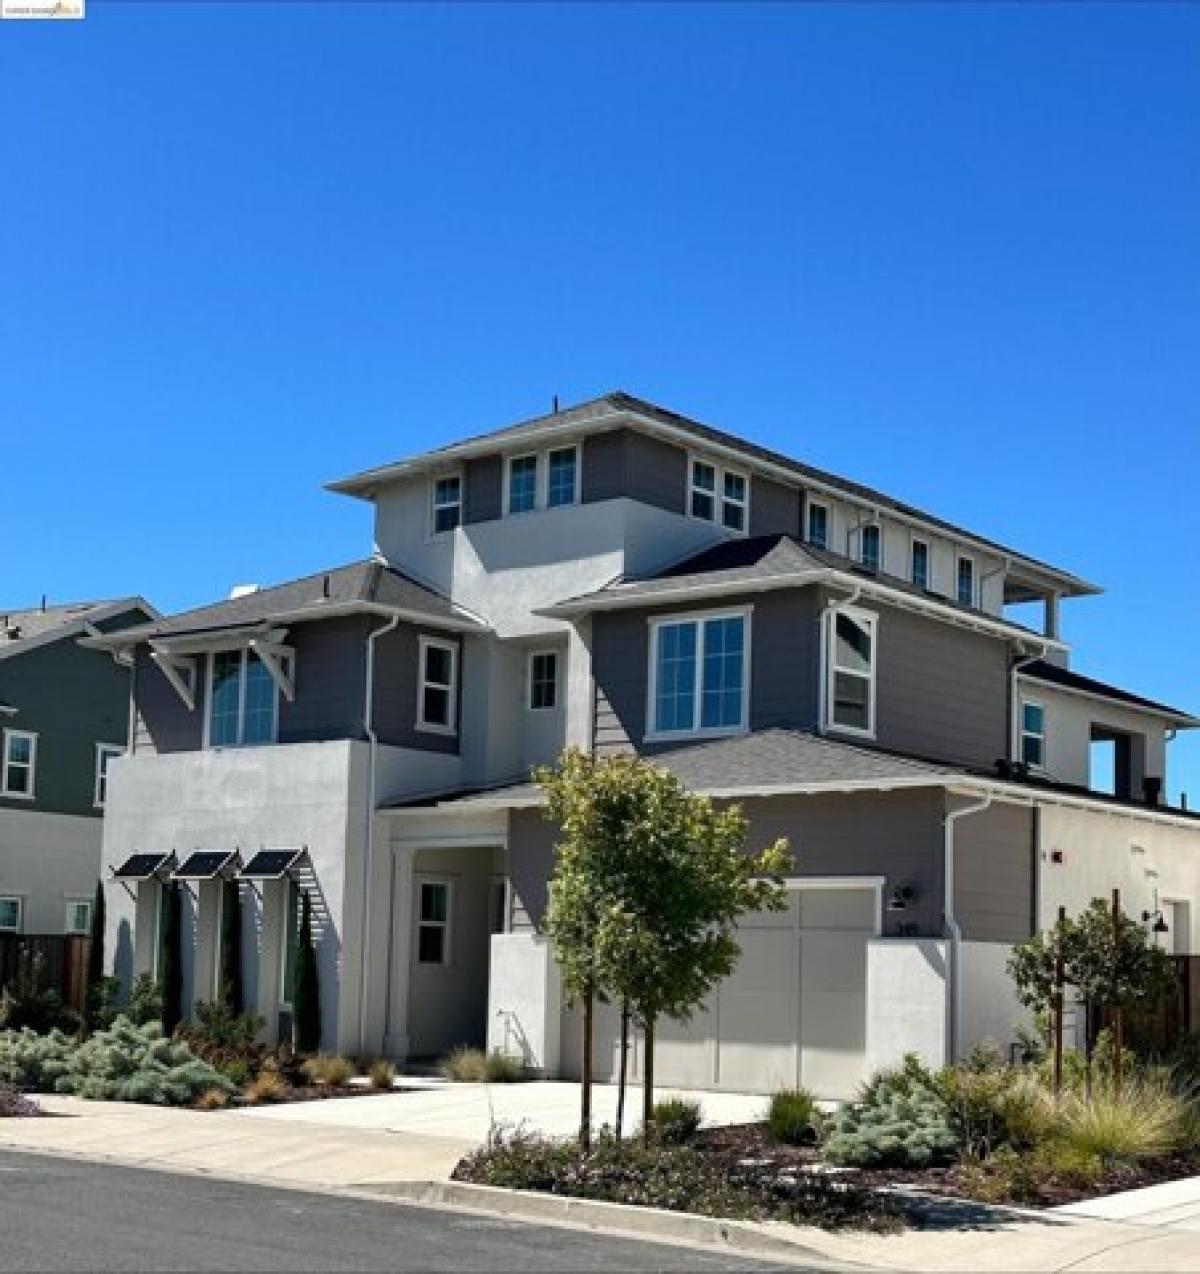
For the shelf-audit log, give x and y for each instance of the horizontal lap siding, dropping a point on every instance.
(484, 480)
(994, 874)
(784, 643)
(162, 721)
(330, 681)
(774, 508)
(397, 683)
(622, 463)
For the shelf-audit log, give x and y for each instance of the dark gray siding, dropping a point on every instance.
(784, 658)
(330, 681)
(942, 691)
(631, 464)
(71, 698)
(896, 835)
(162, 722)
(484, 480)
(774, 508)
(994, 868)
(396, 687)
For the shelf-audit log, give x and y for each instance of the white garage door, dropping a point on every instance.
(793, 1011)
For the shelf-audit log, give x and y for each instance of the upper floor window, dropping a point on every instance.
(1033, 733)
(920, 564)
(242, 700)
(19, 769)
(699, 674)
(966, 581)
(522, 484)
(718, 495)
(818, 524)
(850, 692)
(437, 694)
(104, 753)
(543, 679)
(868, 547)
(447, 503)
(10, 915)
(546, 481)
(562, 480)
(79, 917)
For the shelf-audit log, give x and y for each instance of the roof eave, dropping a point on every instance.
(1180, 720)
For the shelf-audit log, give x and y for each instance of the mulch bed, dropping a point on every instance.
(321, 1092)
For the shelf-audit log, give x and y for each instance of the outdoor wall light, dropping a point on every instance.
(1160, 925)
(901, 898)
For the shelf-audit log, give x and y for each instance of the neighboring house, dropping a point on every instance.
(64, 717)
(621, 578)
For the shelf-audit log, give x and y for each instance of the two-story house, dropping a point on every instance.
(64, 717)
(621, 578)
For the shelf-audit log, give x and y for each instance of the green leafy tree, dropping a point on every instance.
(172, 959)
(649, 885)
(230, 985)
(95, 995)
(308, 991)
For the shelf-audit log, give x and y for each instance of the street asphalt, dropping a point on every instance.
(66, 1214)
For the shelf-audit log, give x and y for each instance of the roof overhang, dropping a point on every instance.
(84, 624)
(1179, 720)
(614, 599)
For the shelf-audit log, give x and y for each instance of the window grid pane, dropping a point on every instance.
(522, 484)
(733, 508)
(10, 914)
(920, 564)
(818, 525)
(966, 581)
(447, 504)
(675, 681)
(543, 681)
(226, 698)
(561, 480)
(870, 547)
(721, 694)
(258, 725)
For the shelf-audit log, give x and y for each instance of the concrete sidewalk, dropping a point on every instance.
(1173, 1205)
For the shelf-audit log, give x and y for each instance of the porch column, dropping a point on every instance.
(580, 706)
(395, 1040)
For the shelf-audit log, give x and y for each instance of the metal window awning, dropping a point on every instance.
(207, 864)
(272, 864)
(145, 866)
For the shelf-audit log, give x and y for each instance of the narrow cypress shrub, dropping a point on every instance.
(94, 995)
(231, 946)
(172, 962)
(308, 991)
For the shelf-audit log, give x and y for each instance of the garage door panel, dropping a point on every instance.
(766, 964)
(838, 909)
(833, 962)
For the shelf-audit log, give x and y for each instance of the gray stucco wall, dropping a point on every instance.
(995, 872)
(897, 835)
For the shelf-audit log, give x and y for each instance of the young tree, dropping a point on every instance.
(172, 959)
(230, 982)
(307, 1000)
(95, 993)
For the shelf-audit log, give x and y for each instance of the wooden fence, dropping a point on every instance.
(59, 961)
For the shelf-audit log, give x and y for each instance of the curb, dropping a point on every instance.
(627, 1220)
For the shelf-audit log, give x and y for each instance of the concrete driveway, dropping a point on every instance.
(465, 1112)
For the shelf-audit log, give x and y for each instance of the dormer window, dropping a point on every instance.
(562, 482)
(966, 581)
(868, 547)
(718, 495)
(818, 524)
(920, 565)
(522, 484)
(447, 504)
(546, 480)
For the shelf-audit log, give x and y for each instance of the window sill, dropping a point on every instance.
(685, 736)
(18, 796)
(444, 731)
(853, 731)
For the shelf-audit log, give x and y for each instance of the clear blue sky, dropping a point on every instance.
(950, 251)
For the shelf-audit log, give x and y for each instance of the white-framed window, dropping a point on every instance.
(1033, 733)
(542, 480)
(543, 680)
(919, 564)
(79, 917)
(699, 674)
(720, 495)
(965, 581)
(445, 495)
(433, 922)
(818, 524)
(104, 753)
(562, 477)
(437, 694)
(243, 700)
(10, 915)
(18, 774)
(851, 659)
(521, 487)
(868, 546)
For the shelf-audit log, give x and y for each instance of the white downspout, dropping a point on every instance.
(369, 849)
(951, 920)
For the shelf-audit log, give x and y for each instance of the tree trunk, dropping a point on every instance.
(1118, 1024)
(624, 1068)
(1058, 1004)
(585, 1095)
(648, 1084)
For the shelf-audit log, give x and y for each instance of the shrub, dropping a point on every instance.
(893, 1128)
(307, 1021)
(268, 1087)
(28, 1003)
(911, 1074)
(1143, 1120)
(383, 1074)
(335, 1072)
(676, 1120)
(1031, 1178)
(145, 1001)
(990, 1109)
(793, 1117)
(474, 1066)
(213, 1099)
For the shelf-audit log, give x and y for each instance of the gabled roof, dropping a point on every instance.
(616, 409)
(765, 562)
(1052, 675)
(369, 586)
(24, 630)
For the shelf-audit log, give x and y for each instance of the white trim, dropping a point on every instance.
(101, 777)
(959, 559)
(245, 652)
(16, 898)
(1053, 688)
(544, 653)
(449, 727)
(69, 906)
(913, 541)
(1023, 734)
(30, 766)
(700, 619)
(796, 884)
(827, 508)
(541, 479)
(717, 494)
(432, 505)
(420, 880)
(869, 620)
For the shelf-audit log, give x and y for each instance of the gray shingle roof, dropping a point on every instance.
(365, 584)
(768, 759)
(24, 629)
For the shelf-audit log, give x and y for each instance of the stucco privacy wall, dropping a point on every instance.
(989, 1004)
(524, 1017)
(281, 797)
(48, 861)
(907, 982)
